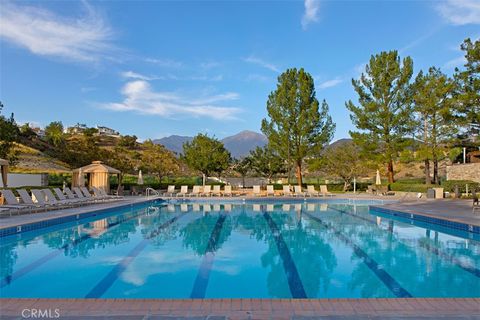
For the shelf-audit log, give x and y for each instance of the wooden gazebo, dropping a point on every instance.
(97, 175)
(4, 172)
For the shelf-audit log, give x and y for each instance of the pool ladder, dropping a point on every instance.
(150, 191)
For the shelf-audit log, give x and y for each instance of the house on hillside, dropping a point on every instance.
(38, 131)
(76, 129)
(105, 131)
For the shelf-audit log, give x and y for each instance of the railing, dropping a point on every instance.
(149, 191)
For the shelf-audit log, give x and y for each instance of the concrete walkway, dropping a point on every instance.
(457, 210)
(281, 309)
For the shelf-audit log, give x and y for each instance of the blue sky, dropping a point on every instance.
(156, 68)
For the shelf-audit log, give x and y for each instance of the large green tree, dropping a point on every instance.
(437, 123)
(207, 155)
(157, 160)
(384, 113)
(266, 162)
(298, 127)
(468, 80)
(54, 133)
(343, 161)
(9, 133)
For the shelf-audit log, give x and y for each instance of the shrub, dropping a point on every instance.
(450, 185)
(410, 187)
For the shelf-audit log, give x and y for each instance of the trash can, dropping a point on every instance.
(430, 194)
(438, 193)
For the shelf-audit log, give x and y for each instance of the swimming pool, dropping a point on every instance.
(235, 249)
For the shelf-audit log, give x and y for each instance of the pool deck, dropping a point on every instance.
(281, 309)
(27, 218)
(457, 210)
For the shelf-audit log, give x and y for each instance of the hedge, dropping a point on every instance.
(449, 185)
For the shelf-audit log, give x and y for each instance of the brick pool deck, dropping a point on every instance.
(281, 309)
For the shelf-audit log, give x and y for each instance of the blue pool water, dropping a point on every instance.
(230, 249)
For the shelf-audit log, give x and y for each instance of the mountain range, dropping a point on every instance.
(239, 145)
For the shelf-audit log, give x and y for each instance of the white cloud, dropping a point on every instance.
(460, 12)
(330, 83)
(456, 62)
(44, 33)
(167, 63)
(310, 15)
(141, 98)
(135, 75)
(262, 63)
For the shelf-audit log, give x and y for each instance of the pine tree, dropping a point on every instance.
(384, 114)
(298, 127)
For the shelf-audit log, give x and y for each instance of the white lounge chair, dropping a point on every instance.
(299, 192)
(195, 191)
(207, 191)
(286, 191)
(312, 192)
(183, 191)
(227, 191)
(270, 190)
(324, 191)
(257, 191)
(170, 191)
(216, 190)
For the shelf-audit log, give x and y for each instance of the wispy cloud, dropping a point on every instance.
(140, 97)
(453, 63)
(42, 32)
(258, 77)
(167, 63)
(312, 10)
(330, 83)
(255, 60)
(135, 75)
(460, 12)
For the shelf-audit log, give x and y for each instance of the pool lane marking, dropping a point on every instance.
(381, 274)
(294, 282)
(201, 281)
(103, 285)
(443, 255)
(37, 263)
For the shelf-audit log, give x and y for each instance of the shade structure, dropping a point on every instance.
(98, 175)
(140, 178)
(4, 172)
(378, 180)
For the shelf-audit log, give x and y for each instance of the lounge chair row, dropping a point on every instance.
(46, 199)
(298, 191)
(207, 191)
(198, 191)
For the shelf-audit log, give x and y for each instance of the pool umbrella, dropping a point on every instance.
(378, 181)
(140, 178)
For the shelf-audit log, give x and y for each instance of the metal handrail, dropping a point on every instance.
(150, 191)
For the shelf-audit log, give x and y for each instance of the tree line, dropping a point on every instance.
(395, 112)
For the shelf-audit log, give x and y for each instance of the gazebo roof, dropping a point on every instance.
(3, 162)
(97, 166)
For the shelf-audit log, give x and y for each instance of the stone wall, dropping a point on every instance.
(468, 171)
